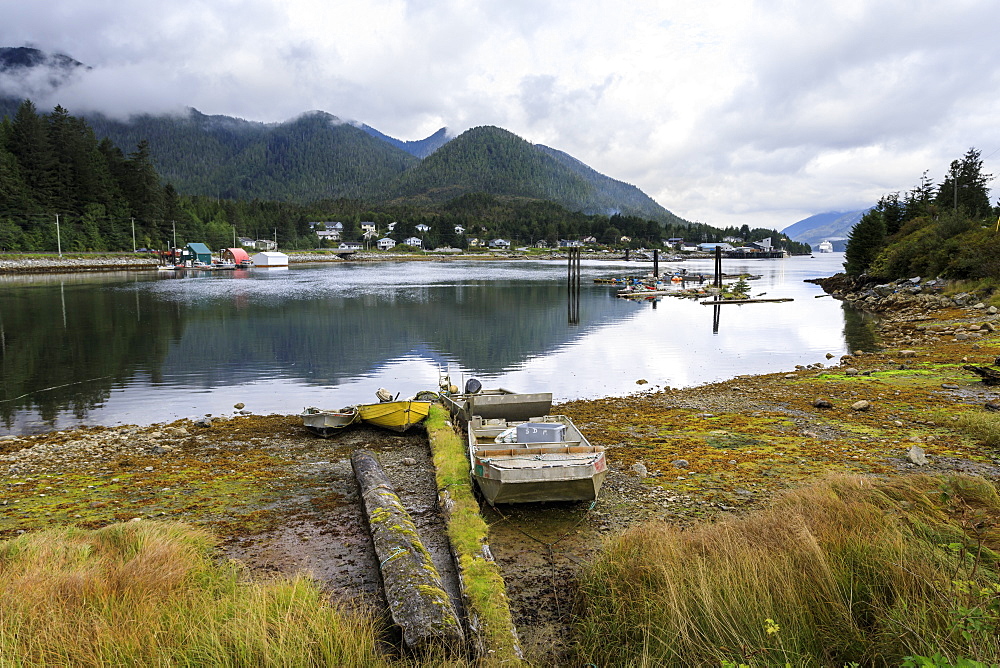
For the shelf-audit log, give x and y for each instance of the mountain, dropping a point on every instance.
(318, 156)
(832, 225)
(315, 156)
(492, 160)
(421, 148)
(27, 72)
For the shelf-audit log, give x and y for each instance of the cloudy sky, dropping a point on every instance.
(726, 112)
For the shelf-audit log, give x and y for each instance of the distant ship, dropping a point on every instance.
(825, 247)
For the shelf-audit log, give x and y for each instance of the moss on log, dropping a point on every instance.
(417, 600)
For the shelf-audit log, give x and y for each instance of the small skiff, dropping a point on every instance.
(326, 423)
(395, 415)
(548, 460)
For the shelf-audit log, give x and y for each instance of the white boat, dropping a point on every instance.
(326, 423)
(547, 460)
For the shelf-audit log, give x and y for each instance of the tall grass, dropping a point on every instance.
(849, 570)
(145, 593)
(984, 427)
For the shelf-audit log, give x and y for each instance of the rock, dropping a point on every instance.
(829, 356)
(822, 403)
(979, 305)
(641, 381)
(851, 371)
(203, 422)
(862, 405)
(639, 469)
(916, 455)
(949, 386)
(992, 406)
(961, 336)
(240, 406)
(161, 449)
(907, 353)
(409, 461)
(790, 376)
(680, 463)
(992, 310)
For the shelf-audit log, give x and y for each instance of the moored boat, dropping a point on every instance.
(395, 415)
(543, 460)
(498, 403)
(326, 423)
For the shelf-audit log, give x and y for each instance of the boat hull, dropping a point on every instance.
(327, 423)
(396, 415)
(567, 470)
(500, 403)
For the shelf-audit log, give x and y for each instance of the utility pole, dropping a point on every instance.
(133, 235)
(58, 236)
(174, 224)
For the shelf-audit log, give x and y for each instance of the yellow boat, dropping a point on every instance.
(395, 415)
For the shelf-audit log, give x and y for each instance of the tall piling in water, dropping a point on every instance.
(573, 271)
(718, 267)
(656, 264)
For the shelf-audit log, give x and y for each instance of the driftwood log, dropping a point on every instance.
(418, 603)
(989, 376)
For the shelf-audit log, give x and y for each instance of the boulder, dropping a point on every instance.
(862, 405)
(915, 455)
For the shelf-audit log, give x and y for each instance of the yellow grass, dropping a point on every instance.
(849, 570)
(145, 593)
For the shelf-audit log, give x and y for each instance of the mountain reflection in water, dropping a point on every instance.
(141, 348)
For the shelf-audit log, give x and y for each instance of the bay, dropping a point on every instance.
(154, 346)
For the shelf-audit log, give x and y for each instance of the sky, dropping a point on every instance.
(729, 112)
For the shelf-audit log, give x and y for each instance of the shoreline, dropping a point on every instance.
(282, 500)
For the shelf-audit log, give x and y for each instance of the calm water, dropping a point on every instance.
(143, 348)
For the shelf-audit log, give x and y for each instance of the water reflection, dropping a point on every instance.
(150, 347)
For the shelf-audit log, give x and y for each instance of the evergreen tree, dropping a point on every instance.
(864, 242)
(965, 188)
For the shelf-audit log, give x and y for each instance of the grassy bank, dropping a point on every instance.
(844, 572)
(482, 584)
(151, 593)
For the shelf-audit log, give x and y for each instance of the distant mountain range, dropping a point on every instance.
(833, 226)
(319, 156)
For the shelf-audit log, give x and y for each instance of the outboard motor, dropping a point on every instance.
(472, 386)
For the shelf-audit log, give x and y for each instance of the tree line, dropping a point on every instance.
(53, 168)
(947, 229)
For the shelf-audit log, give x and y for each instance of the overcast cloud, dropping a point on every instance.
(725, 112)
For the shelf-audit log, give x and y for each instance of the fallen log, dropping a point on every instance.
(417, 600)
(989, 376)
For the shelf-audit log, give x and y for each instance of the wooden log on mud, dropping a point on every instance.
(418, 603)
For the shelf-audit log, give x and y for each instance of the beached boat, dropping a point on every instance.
(498, 403)
(547, 459)
(326, 423)
(395, 415)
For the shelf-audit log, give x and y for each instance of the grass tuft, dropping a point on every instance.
(150, 593)
(984, 427)
(850, 570)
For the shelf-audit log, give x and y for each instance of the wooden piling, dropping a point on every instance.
(417, 600)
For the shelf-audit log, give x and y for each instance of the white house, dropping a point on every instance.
(350, 245)
(569, 243)
(422, 228)
(392, 226)
(499, 243)
(385, 243)
(710, 247)
(368, 226)
(328, 234)
(265, 245)
(246, 242)
(459, 229)
(413, 241)
(269, 259)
